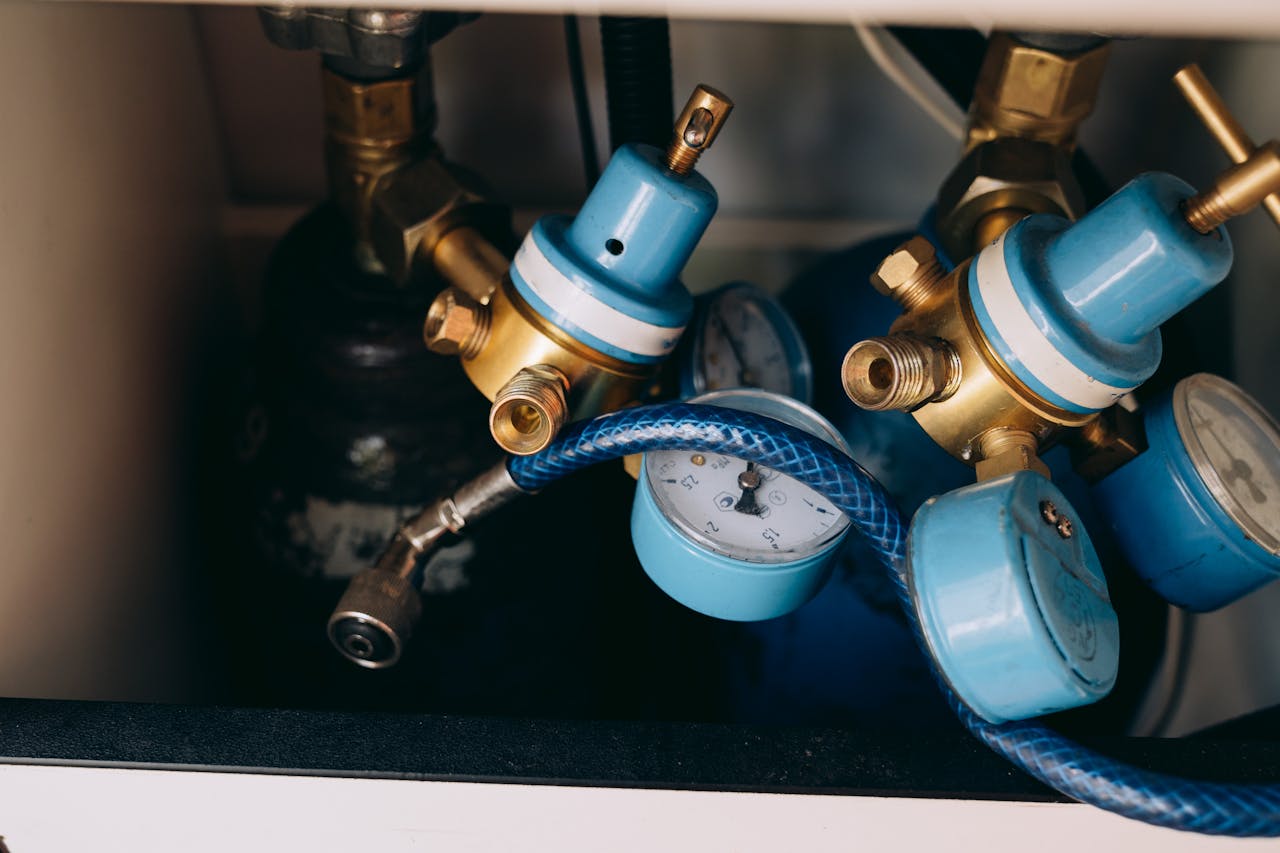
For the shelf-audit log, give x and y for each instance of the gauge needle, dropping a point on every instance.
(748, 481)
(747, 378)
(1239, 470)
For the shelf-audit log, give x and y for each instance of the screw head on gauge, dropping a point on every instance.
(732, 539)
(743, 337)
(1198, 513)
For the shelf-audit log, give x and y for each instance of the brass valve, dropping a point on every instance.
(409, 209)
(937, 364)
(580, 322)
(1255, 177)
(1028, 91)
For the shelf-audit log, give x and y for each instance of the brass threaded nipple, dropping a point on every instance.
(900, 372)
(529, 410)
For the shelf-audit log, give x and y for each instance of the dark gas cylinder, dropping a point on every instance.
(354, 425)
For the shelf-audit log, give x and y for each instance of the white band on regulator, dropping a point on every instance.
(1021, 334)
(587, 312)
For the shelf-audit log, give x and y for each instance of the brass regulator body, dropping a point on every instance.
(592, 305)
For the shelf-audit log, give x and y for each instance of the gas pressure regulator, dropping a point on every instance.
(1041, 334)
(592, 305)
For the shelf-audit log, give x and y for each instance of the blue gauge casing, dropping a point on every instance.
(1096, 291)
(799, 364)
(620, 257)
(1017, 617)
(716, 584)
(1173, 531)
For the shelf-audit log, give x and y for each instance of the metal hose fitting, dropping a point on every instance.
(376, 615)
(529, 410)
(901, 372)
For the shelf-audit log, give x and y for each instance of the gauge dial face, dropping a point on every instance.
(742, 510)
(747, 340)
(1235, 448)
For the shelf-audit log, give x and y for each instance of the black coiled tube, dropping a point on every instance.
(637, 80)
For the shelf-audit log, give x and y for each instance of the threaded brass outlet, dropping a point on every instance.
(901, 372)
(529, 410)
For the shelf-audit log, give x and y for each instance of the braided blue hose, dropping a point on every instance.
(1072, 769)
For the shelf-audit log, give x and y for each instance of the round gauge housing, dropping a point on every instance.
(729, 538)
(1198, 513)
(741, 337)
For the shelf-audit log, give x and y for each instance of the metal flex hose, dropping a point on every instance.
(1072, 769)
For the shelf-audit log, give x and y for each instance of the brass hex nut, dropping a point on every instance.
(909, 264)
(416, 205)
(456, 324)
(370, 113)
(1028, 91)
(1004, 174)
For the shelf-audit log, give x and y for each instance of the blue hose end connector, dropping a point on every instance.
(610, 276)
(1011, 598)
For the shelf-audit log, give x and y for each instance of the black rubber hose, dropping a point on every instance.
(581, 104)
(637, 79)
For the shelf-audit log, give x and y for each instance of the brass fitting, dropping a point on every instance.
(402, 199)
(1107, 442)
(372, 129)
(468, 261)
(697, 127)
(981, 400)
(1005, 451)
(456, 324)
(518, 337)
(1034, 93)
(1211, 110)
(901, 372)
(999, 182)
(435, 216)
(529, 410)
(910, 274)
(1236, 191)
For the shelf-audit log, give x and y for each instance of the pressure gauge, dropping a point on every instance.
(733, 539)
(742, 337)
(1198, 513)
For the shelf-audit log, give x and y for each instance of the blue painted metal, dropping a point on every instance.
(1056, 760)
(1100, 288)
(628, 244)
(716, 584)
(1177, 536)
(1017, 616)
(799, 366)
